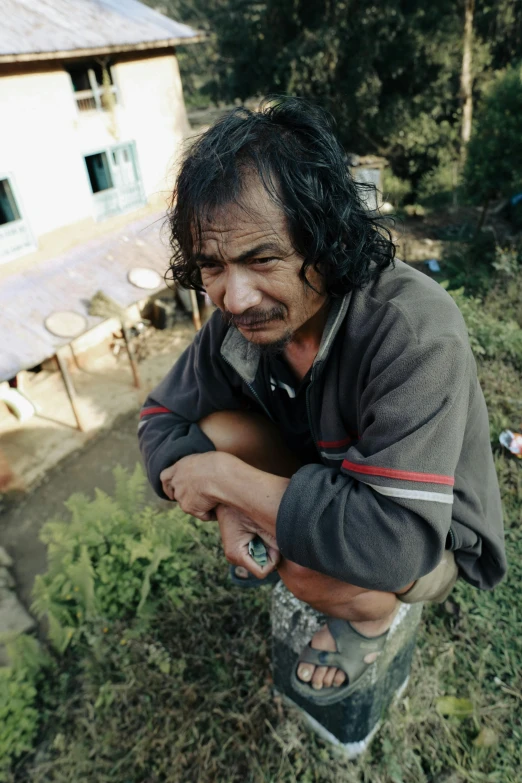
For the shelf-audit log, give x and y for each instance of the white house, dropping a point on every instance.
(92, 116)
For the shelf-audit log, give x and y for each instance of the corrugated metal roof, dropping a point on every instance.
(38, 26)
(68, 282)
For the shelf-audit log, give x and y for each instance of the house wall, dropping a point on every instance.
(43, 136)
(153, 114)
(38, 147)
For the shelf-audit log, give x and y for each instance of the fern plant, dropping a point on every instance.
(114, 559)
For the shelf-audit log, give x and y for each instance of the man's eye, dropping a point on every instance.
(264, 260)
(208, 265)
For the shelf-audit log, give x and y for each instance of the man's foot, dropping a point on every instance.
(329, 676)
(321, 676)
(241, 577)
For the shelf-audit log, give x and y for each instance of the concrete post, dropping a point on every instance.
(352, 723)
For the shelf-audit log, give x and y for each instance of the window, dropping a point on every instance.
(115, 180)
(8, 207)
(15, 235)
(99, 171)
(93, 86)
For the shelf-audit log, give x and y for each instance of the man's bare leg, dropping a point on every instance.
(253, 439)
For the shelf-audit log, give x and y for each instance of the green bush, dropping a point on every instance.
(501, 384)
(494, 158)
(469, 265)
(19, 714)
(113, 559)
(437, 186)
(395, 189)
(490, 338)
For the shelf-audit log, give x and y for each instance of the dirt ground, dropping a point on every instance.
(82, 472)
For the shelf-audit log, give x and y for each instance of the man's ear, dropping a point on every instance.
(306, 281)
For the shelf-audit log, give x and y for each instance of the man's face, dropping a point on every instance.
(251, 271)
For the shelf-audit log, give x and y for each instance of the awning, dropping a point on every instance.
(68, 282)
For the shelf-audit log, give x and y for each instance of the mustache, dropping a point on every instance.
(254, 317)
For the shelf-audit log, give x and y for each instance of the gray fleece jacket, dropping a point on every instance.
(400, 423)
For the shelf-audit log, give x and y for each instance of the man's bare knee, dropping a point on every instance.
(228, 430)
(296, 579)
(314, 588)
(333, 597)
(251, 437)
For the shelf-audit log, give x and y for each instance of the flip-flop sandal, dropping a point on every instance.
(252, 581)
(352, 648)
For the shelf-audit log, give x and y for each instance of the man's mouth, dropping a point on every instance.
(255, 321)
(243, 324)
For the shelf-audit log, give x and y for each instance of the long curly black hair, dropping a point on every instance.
(291, 146)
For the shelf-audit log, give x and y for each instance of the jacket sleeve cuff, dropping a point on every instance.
(194, 442)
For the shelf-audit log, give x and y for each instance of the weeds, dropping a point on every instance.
(187, 697)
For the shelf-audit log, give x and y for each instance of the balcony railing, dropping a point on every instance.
(15, 237)
(100, 99)
(114, 201)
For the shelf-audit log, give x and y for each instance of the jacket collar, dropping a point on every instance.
(244, 356)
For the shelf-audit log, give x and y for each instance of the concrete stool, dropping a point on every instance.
(351, 723)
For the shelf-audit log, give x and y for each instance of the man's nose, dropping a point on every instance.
(240, 292)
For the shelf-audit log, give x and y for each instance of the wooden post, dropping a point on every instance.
(195, 310)
(134, 366)
(69, 388)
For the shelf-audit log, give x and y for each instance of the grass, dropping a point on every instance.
(189, 698)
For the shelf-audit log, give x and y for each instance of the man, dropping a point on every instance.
(331, 405)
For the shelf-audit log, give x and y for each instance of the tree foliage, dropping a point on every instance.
(494, 163)
(387, 70)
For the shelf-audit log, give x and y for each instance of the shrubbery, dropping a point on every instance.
(19, 709)
(111, 568)
(395, 189)
(490, 337)
(494, 159)
(113, 559)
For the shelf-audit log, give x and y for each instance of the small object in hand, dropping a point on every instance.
(257, 551)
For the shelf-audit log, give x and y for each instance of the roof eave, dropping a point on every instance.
(68, 54)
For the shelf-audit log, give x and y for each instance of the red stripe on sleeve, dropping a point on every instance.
(404, 475)
(148, 411)
(330, 444)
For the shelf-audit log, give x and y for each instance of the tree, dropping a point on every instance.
(391, 72)
(466, 77)
(494, 161)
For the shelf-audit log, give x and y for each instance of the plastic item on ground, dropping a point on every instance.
(512, 441)
(19, 405)
(433, 265)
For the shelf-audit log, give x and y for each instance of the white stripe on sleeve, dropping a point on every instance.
(413, 494)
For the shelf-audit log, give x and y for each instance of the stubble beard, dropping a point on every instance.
(275, 314)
